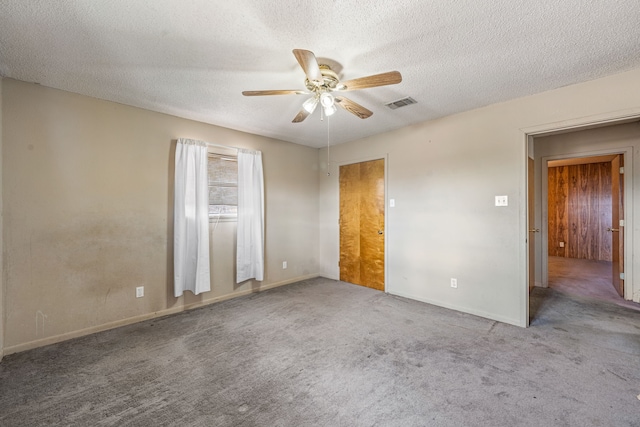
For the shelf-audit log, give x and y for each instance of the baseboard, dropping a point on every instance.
(147, 316)
(474, 312)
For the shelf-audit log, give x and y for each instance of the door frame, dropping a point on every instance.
(527, 149)
(385, 158)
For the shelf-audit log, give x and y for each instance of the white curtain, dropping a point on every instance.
(191, 219)
(250, 234)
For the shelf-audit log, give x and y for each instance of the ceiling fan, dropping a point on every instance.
(321, 81)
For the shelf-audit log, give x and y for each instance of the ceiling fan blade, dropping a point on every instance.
(309, 64)
(353, 107)
(303, 114)
(389, 78)
(273, 92)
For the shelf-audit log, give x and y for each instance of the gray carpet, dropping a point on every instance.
(325, 353)
(587, 278)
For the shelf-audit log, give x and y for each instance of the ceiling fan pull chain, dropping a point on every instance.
(328, 145)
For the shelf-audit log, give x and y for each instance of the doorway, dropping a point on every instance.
(585, 227)
(362, 202)
(605, 135)
(598, 143)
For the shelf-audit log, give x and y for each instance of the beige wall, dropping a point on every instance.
(88, 194)
(605, 140)
(444, 174)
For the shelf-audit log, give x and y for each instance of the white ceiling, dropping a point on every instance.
(193, 58)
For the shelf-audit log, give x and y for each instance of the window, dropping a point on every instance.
(223, 186)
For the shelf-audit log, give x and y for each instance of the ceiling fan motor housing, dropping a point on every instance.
(329, 80)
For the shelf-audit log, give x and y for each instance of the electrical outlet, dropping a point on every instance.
(139, 291)
(284, 265)
(454, 283)
(562, 244)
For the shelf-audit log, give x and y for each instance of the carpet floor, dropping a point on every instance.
(585, 278)
(326, 353)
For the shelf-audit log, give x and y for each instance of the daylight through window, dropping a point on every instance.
(223, 186)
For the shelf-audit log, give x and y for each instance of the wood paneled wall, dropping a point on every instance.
(580, 211)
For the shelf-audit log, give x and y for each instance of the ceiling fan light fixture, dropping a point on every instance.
(330, 110)
(326, 99)
(310, 104)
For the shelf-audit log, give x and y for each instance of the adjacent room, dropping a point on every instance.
(247, 213)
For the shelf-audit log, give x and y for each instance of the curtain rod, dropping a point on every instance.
(211, 144)
(230, 147)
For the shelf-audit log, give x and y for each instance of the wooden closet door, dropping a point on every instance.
(362, 224)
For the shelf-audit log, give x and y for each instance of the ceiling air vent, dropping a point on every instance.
(401, 103)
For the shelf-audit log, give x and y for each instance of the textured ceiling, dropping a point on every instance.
(193, 58)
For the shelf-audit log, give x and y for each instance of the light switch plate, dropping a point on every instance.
(392, 203)
(502, 201)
